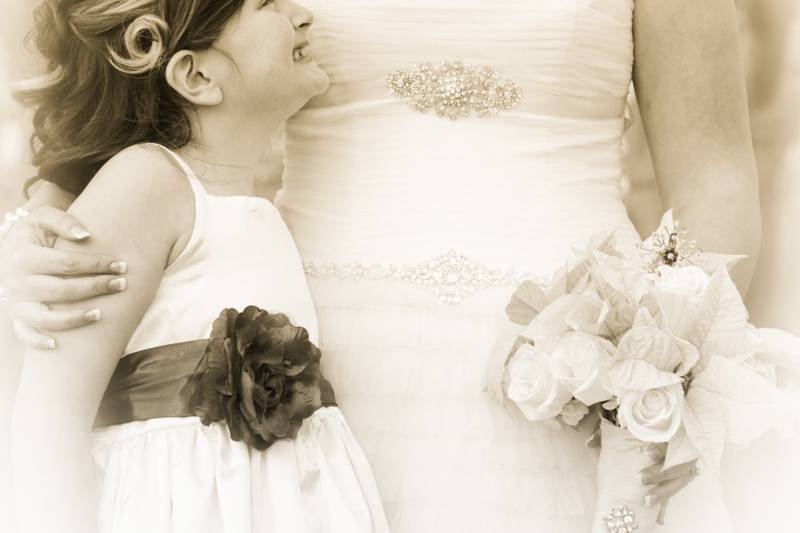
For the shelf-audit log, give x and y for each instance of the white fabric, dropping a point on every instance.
(174, 475)
(369, 180)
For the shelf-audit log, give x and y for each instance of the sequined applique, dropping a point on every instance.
(454, 90)
(450, 276)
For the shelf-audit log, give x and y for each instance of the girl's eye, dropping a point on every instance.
(265, 3)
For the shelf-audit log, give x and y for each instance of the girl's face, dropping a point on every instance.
(265, 47)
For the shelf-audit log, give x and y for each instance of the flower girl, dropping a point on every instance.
(157, 113)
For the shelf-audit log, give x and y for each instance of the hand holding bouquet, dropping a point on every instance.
(661, 347)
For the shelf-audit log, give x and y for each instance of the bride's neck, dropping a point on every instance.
(228, 153)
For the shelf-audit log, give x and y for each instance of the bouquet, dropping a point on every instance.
(660, 347)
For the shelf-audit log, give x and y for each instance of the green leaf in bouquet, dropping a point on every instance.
(711, 262)
(589, 314)
(602, 241)
(609, 288)
(703, 420)
(747, 404)
(721, 313)
(637, 375)
(551, 321)
(647, 341)
(677, 312)
(680, 450)
(736, 346)
(528, 301)
(781, 350)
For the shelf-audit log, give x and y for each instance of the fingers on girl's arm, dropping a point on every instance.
(52, 289)
(32, 338)
(40, 317)
(59, 222)
(42, 260)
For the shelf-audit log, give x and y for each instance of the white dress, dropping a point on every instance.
(381, 200)
(175, 475)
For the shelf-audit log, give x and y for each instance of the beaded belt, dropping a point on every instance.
(451, 276)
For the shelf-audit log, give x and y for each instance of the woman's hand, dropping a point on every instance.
(666, 483)
(32, 274)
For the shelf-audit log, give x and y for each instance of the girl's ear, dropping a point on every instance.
(188, 78)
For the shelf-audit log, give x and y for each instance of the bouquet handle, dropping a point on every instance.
(620, 506)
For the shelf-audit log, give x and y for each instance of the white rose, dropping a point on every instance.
(574, 412)
(653, 415)
(688, 281)
(649, 400)
(578, 362)
(532, 386)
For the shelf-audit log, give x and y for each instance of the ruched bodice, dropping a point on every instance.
(370, 179)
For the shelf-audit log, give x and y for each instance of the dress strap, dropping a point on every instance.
(179, 160)
(200, 204)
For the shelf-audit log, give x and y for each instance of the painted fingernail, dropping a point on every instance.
(50, 344)
(697, 471)
(94, 315)
(118, 284)
(119, 267)
(79, 233)
(648, 500)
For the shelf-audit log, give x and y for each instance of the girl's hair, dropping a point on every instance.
(105, 87)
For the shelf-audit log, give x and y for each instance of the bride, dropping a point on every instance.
(414, 227)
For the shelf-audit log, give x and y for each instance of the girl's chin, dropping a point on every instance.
(316, 77)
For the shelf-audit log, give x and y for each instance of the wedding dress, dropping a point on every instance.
(415, 227)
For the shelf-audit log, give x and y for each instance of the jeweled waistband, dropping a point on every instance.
(451, 276)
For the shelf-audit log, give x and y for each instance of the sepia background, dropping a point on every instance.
(771, 38)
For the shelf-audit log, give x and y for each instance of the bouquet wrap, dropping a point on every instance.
(622, 457)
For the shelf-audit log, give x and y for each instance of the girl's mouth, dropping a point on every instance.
(299, 53)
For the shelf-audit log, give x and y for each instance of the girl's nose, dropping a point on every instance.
(300, 16)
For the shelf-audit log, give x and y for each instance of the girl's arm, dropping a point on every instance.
(690, 83)
(140, 207)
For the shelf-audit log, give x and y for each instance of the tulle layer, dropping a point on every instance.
(409, 373)
(174, 475)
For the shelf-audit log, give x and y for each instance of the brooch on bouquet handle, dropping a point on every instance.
(659, 349)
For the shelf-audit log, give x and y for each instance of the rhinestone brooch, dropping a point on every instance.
(620, 520)
(454, 90)
(450, 276)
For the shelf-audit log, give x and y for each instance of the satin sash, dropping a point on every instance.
(148, 384)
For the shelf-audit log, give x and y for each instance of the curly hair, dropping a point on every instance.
(105, 87)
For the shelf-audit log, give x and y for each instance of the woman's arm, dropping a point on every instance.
(130, 212)
(690, 83)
